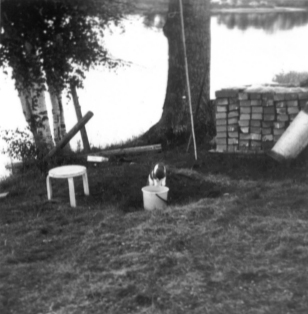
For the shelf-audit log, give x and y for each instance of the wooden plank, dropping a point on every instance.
(256, 103)
(278, 131)
(292, 103)
(222, 102)
(232, 120)
(245, 110)
(244, 143)
(221, 115)
(245, 136)
(70, 134)
(232, 141)
(256, 130)
(266, 131)
(233, 107)
(269, 117)
(3, 195)
(233, 114)
(221, 122)
(281, 110)
(245, 116)
(232, 148)
(220, 141)
(269, 137)
(281, 104)
(232, 128)
(233, 134)
(245, 129)
(293, 110)
(243, 123)
(268, 103)
(83, 131)
(257, 109)
(221, 109)
(256, 137)
(282, 117)
(243, 96)
(255, 144)
(255, 123)
(267, 124)
(97, 159)
(221, 134)
(256, 116)
(245, 103)
(279, 125)
(221, 128)
(270, 110)
(226, 93)
(221, 148)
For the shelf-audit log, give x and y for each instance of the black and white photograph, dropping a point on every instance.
(153, 156)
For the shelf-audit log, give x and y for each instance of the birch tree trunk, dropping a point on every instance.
(26, 108)
(59, 126)
(31, 95)
(35, 111)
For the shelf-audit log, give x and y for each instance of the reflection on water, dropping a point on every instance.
(270, 22)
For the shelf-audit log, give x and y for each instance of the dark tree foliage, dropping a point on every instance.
(55, 41)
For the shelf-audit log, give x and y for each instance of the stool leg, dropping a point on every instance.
(49, 188)
(85, 184)
(72, 192)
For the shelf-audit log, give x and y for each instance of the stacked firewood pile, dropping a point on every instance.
(252, 119)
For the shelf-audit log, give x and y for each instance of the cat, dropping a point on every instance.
(158, 175)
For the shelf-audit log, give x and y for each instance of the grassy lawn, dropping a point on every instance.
(233, 240)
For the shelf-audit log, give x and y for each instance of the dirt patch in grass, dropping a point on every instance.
(233, 240)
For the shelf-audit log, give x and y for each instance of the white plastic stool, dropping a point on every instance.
(68, 172)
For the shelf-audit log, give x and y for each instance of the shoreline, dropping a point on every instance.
(259, 10)
(146, 8)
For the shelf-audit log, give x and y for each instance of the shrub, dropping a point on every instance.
(292, 77)
(20, 146)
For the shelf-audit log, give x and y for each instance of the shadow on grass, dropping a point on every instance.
(253, 167)
(119, 184)
(122, 184)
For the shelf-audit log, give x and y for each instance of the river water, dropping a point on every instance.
(245, 49)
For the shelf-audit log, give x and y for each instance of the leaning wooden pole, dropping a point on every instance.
(83, 132)
(187, 80)
(76, 128)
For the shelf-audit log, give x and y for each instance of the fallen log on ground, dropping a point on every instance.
(129, 150)
(104, 153)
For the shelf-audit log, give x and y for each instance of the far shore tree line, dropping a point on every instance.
(259, 3)
(50, 44)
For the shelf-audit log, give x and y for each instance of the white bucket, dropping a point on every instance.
(155, 197)
(294, 139)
